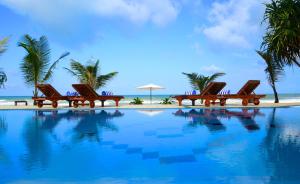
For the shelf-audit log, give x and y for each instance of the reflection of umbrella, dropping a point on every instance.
(150, 87)
(150, 112)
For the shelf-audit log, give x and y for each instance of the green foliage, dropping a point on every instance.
(273, 70)
(166, 101)
(36, 66)
(137, 101)
(199, 82)
(89, 74)
(3, 78)
(282, 37)
(3, 46)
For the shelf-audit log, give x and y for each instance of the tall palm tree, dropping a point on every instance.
(199, 82)
(273, 71)
(3, 45)
(36, 66)
(89, 74)
(283, 31)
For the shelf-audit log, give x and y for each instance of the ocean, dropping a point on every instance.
(9, 100)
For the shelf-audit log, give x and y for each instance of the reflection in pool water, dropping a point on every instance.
(212, 118)
(172, 146)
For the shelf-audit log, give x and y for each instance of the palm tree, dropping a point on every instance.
(199, 82)
(283, 31)
(89, 74)
(273, 71)
(3, 45)
(36, 67)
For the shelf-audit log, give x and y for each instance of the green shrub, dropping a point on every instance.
(137, 101)
(166, 101)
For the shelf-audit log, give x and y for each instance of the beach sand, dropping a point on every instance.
(150, 106)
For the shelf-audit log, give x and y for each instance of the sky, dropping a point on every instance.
(146, 41)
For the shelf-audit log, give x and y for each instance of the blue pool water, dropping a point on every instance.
(151, 146)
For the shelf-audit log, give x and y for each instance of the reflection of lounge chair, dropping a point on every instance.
(246, 94)
(212, 118)
(89, 94)
(209, 94)
(52, 95)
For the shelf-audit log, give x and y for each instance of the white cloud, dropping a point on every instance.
(233, 22)
(212, 69)
(57, 11)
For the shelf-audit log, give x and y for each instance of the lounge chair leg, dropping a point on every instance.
(54, 104)
(70, 103)
(222, 102)
(256, 101)
(193, 102)
(102, 103)
(75, 104)
(207, 103)
(179, 102)
(245, 102)
(40, 104)
(92, 104)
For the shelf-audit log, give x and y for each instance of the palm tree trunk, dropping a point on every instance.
(275, 93)
(35, 92)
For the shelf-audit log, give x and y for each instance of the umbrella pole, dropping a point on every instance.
(150, 95)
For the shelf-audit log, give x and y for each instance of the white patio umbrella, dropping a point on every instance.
(150, 87)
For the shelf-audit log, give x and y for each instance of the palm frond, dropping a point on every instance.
(52, 67)
(71, 71)
(90, 73)
(199, 82)
(3, 79)
(193, 79)
(35, 66)
(103, 79)
(215, 76)
(273, 69)
(3, 45)
(283, 30)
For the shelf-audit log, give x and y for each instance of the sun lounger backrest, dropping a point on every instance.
(213, 88)
(85, 90)
(49, 91)
(249, 87)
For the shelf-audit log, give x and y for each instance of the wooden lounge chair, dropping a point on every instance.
(209, 94)
(246, 94)
(87, 93)
(52, 95)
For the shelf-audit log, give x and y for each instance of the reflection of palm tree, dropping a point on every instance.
(3, 125)
(202, 117)
(282, 151)
(3, 128)
(90, 125)
(37, 145)
(89, 122)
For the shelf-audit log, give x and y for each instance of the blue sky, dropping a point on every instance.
(146, 41)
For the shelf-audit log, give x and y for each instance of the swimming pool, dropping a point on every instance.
(151, 146)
